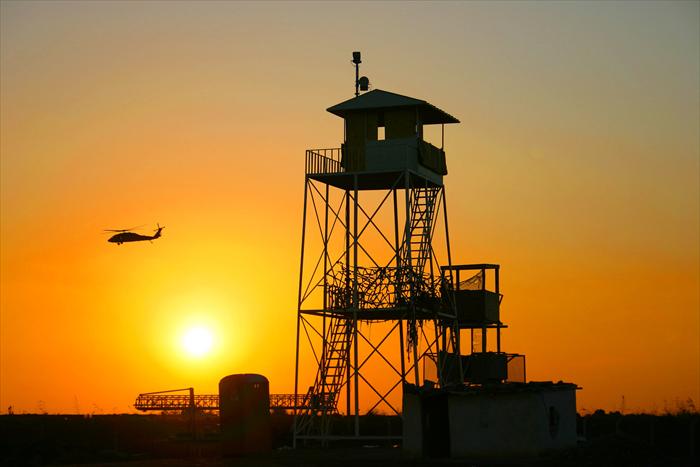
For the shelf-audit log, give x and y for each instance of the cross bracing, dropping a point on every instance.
(369, 263)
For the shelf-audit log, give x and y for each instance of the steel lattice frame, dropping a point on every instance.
(361, 283)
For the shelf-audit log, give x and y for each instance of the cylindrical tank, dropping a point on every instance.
(244, 408)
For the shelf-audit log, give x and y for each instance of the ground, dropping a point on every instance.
(162, 441)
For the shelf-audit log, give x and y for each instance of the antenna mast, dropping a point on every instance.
(356, 60)
(361, 84)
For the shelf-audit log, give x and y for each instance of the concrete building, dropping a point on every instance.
(510, 420)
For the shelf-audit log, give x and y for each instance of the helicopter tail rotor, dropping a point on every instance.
(158, 230)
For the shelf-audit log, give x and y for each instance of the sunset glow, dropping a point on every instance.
(197, 341)
(575, 167)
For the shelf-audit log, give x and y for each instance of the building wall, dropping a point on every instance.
(400, 123)
(396, 155)
(512, 424)
(412, 424)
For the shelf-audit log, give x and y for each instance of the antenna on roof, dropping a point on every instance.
(361, 84)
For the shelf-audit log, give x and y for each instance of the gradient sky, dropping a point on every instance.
(576, 167)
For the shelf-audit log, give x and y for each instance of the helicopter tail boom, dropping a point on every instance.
(157, 234)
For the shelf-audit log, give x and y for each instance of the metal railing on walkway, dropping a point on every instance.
(147, 402)
(324, 161)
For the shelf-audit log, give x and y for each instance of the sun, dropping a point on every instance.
(197, 341)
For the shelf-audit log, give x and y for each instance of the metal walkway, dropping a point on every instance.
(159, 401)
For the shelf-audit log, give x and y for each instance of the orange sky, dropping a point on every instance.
(576, 167)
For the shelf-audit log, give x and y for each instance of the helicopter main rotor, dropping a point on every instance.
(122, 230)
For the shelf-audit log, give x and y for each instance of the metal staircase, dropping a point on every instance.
(322, 398)
(416, 251)
(422, 210)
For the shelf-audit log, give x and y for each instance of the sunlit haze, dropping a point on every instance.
(197, 341)
(576, 167)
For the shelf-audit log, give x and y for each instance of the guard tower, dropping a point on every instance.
(370, 278)
(382, 309)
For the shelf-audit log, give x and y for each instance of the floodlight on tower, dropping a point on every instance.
(361, 84)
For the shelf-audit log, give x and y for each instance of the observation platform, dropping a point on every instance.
(384, 314)
(380, 165)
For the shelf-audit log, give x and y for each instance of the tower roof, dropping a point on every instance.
(381, 100)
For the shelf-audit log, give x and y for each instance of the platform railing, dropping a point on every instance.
(324, 161)
(175, 402)
(516, 368)
(147, 402)
(287, 401)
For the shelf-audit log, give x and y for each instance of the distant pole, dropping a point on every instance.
(192, 414)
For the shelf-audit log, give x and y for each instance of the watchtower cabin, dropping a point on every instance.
(383, 136)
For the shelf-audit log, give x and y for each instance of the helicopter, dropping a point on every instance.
(125, 235)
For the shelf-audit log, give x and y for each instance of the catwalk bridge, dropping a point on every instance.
(165, 400)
